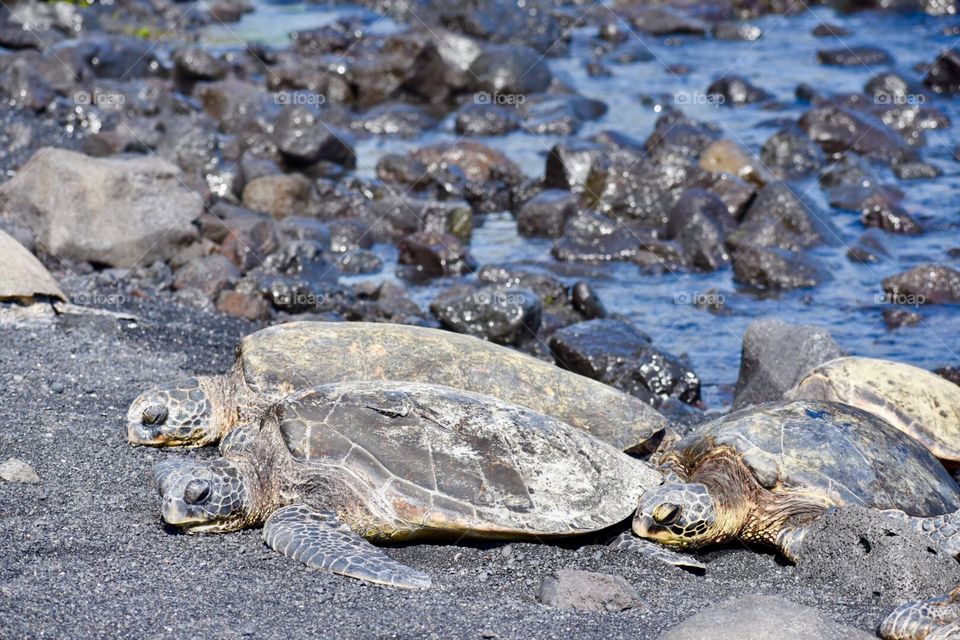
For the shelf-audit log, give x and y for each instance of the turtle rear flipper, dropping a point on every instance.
(924, 619)
(626, 541)
(321, 540)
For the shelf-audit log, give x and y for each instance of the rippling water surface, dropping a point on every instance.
(847, 305)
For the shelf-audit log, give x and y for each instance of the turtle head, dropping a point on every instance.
(678, 514)
(204, 495)
(177, 414)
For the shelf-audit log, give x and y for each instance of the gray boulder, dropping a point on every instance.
(775, 356)
(879, 560)
(120, 211)
(587, 591)
(758, 617)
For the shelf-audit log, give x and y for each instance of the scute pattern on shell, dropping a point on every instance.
(841, 452)
(914, 400)
(298, 355)
(443, 459)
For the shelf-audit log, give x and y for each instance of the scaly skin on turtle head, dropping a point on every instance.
(208, 496)
(680, 515)
(192, 412)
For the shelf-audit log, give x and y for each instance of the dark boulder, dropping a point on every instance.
(499, 314)
(699, 222)
(839, 130)
(736, 91)
(431, 254)
(791, 154)
(943, 76)
(854, 57)
(925, 284)
(773, 269)
(546, 214)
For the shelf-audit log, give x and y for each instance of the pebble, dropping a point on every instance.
(19, 472)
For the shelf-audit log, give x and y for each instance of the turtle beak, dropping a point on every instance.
(642, 525)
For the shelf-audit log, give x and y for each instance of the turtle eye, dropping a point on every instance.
(155, 414)
(667, 513)
(196, 492)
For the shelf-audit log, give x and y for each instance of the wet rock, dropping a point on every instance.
(359, 261)
(393, 217)
(248, 241)
(760, 617)
(916, 171)
(943, 76)
(569, 163)
(502, 315)
(192, 64)
(925, 284)
(736, 193)
(660, 20)
(587, 591)
(478, 163)
(838, 130)
(699, 222)
(884, 213)
(249, 306)
(403, 120)
(792, 154)
(776, 356)
(22, 85)
(549, 114)
(877, 559)
(432, 254)
(504, 22)
(292, 294)
(593, 237)
(896, 318)
(546, 215)
(114, 211)
(630, 53)
(726, 156)
(210, 274)
(869, 248)
(508, 69)
(828, 30)
(891, 88)
(736, 91)
(550, 289)
(620, 355)
(303, 259)
(486, 120)
(735, 30)
(949, 373)
(772, 269)
(278, 195)
(586, 301)
(348, 235)
(302, 137)
(854, 57)
(778, 217)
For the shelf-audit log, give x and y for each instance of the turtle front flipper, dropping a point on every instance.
(924, 619)
(943, 530)
(321, 540)
(626, 541)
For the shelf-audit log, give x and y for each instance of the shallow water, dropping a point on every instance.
(847, 305)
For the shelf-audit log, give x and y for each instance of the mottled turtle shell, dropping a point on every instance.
(842, 453)
(404, 460)
(299, 355)
(22, 277)
(920, 403)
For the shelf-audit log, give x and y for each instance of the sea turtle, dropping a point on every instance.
(336, 466)
(762, 474)
(933, 619)
(918, 402)
(279, 360)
